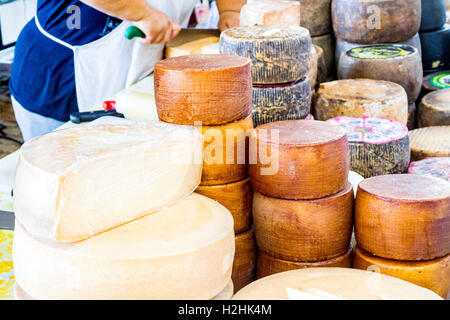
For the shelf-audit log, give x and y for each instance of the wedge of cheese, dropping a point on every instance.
(191, 47)
(271, 13)
(73, 184)
(184, 251)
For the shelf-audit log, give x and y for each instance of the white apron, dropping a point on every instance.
(108, 65)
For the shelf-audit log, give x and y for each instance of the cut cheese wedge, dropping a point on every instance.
(244, 265)
(270, 13)
(333, 284)
(403, 217)
(182, 252)
(75, 183)
(430, 142)
(434, 109)
(191, 47)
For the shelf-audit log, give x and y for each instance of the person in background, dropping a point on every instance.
(73, 54)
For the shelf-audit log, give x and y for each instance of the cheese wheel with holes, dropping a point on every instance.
(343, 46)
(327, 43)
(184, 251)
(430, 142)
(377, 146)
(430, 274)
(333, 284)
(270, 13)
(268, 265)
(376, 21)
(244, 265)
(278, 54)
(401, 64)
(412, 116)
(436, 81)
(236, 197)
(225, 152)
(290, 101)
(361, 98)
(316, 16)
(75, 183)
(299, 230)
(403, 217)
(211, 89)
(278, 171)
(433, 15)
(435, 167)
(434, 110)
(435, 48)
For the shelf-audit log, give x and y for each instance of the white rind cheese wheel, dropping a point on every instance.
(434, 167)
(278, 54)
(361, 98)
(281, 102)
(434, 109)
(327, 43)
(270, 13)
(430, 142)
(377, 146)
(182, 252)
(333, 284)
(316, 16)
(75, 183)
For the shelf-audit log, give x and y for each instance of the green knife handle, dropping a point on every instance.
(134, 32)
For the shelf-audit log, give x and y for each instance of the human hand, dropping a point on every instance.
(229, 19)
(157, 27)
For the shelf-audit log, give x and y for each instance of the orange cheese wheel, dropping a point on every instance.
(430, 274)
(236, 197)
(430, 142)
(299, 230)
(403, 217)
(268, 265)
(277, 169)
(225, 151)
(244, 265)
(212, 89)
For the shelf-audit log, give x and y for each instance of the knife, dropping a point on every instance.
(7, 220)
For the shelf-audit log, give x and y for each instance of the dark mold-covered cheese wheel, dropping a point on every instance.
(436, 48)
(433, 15)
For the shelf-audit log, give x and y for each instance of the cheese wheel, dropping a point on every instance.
(321, 66)
(434, 110)
(435, 48)
(433, 15)
(376, 21)
(278, 54)
(435, 167)
(225, 152)
(327, 43)
(75, 183)
(361, 98)
(431, 274)
(412, 116)
(313, 230)
(184, 251)
(236, 197)
(333, 284)
(281, 102)
(401, 64)
(316, 16)
(278, 171)
(403, 217)
(430, 142)
(211, 89)
(377, 146)
(244, 265)
(190, 47)
(268, 265)
(436, 81)
(343, 46)
(270, 13)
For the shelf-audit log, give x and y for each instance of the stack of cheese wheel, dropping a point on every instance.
(281, 58)
(402, 228)
(214, 93)
(434, 109)
(430, 142)
(88, 227)
(435, 167)
(377, 146)
(333, 284)
(303, 202)
(434, 35)
(361, 98)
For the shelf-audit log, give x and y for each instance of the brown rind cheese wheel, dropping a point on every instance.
(211, 89)
(316, 16)
(403, 217)
(412, 116)
(299, 159)
(327, 43)
(244, 265)
(430, 142)
(298, 230)
(434, 109)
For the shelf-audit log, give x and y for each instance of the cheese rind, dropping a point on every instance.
(433, 15)
(244, 265)
(327, 43)
(430, 142)
(182, 252)
(435, 48)
(431, 274)
(75, 183)
(316, 16)
(332, 283)
(434, 110)
(270, 13)
(278, 54)
(361, 98)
